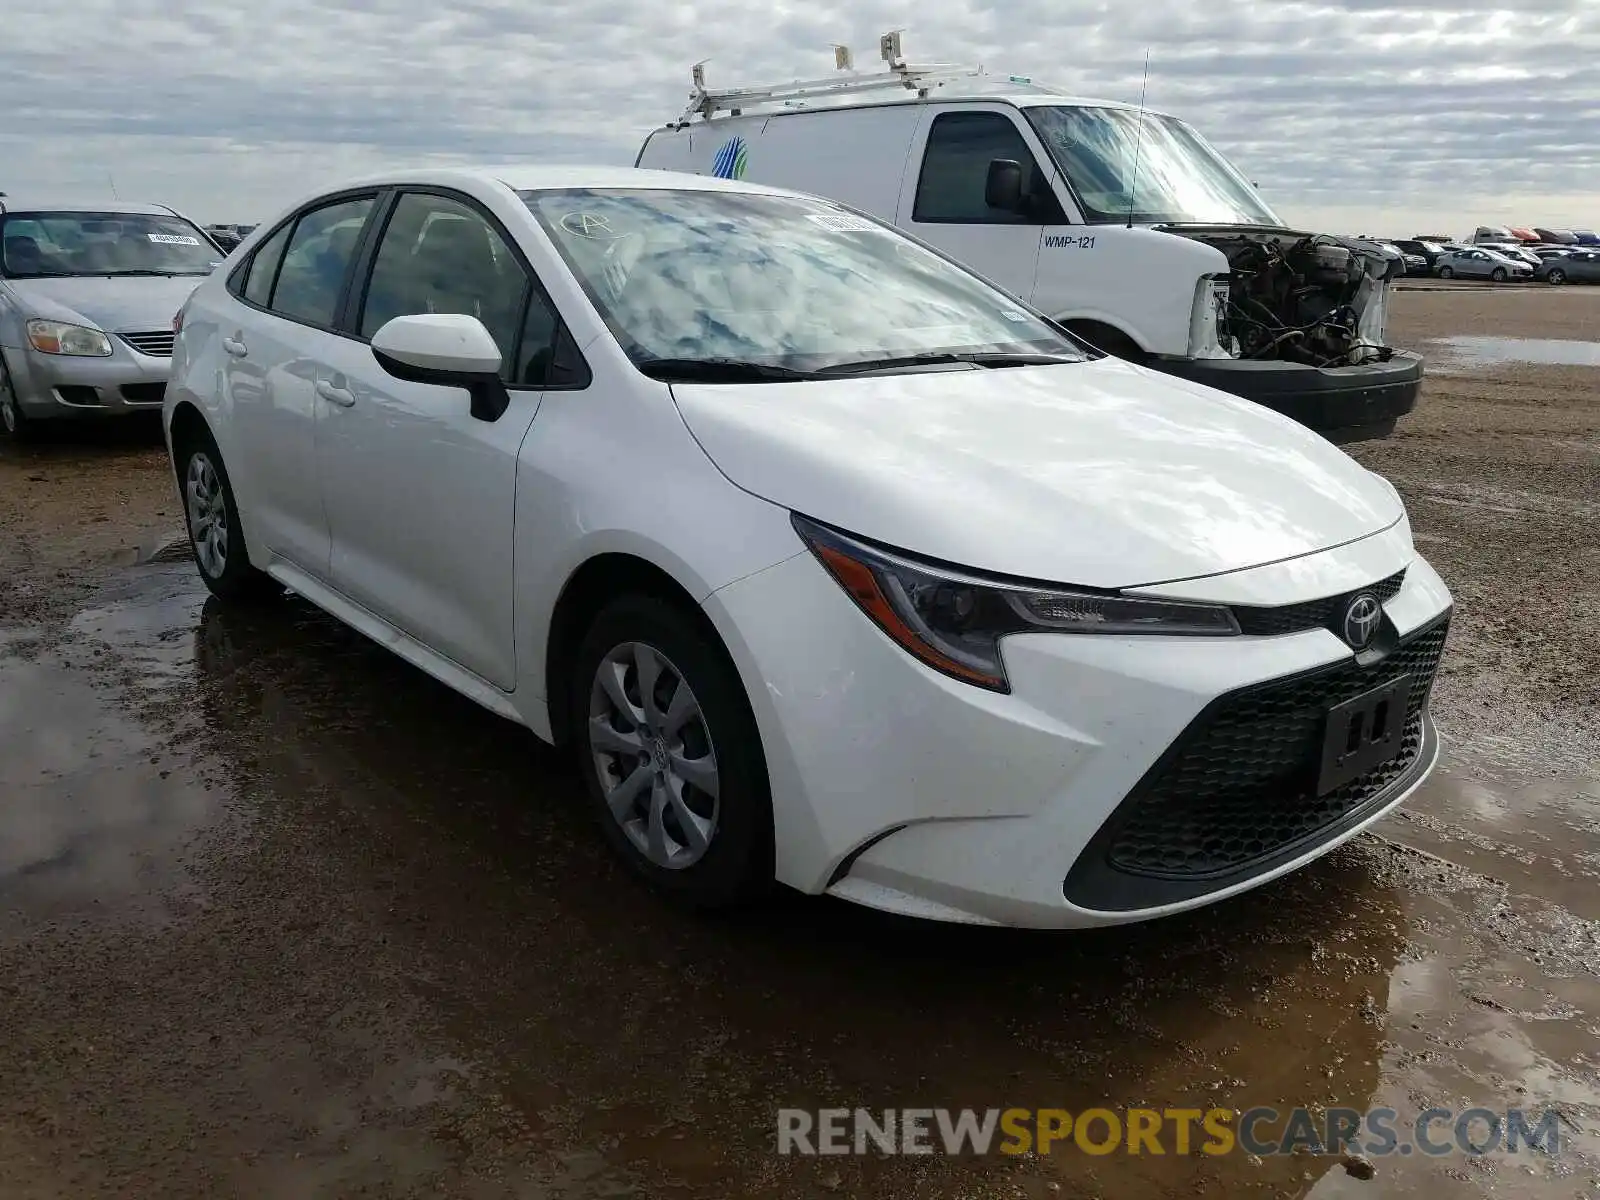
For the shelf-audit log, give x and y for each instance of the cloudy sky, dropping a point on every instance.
(1359, 116)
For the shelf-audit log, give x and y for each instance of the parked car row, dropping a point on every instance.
(1499, 262)
(228, 236)
(1515, 234)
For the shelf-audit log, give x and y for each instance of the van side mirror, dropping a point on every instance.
(448, 350)
(1003, 188)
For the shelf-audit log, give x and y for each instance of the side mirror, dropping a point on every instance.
(446, 349)
(1003, 188)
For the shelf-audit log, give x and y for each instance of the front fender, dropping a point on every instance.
(1141, 281)
(579, 496)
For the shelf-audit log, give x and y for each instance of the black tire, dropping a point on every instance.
(1447, 273)
(736, 865)
(236, 581)
(1556, 276)
(14, 423)
(1498, 274)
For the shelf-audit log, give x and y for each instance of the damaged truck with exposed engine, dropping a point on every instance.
(1123, 224)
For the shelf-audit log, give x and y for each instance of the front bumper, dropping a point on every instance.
(899, 788)
(1344, 404)
(60, 386)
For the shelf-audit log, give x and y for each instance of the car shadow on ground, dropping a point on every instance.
(85, 439)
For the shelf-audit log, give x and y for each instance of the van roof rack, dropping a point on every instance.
(795, 93)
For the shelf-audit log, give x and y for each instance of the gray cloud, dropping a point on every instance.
(1363, 110)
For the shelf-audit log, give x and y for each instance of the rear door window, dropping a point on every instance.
(263, 269)
(317, 262)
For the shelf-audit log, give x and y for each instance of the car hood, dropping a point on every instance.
(137, 302)
(1101, 474)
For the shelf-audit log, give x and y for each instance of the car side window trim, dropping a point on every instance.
(292, 222)
(347, 317)
(533, 287)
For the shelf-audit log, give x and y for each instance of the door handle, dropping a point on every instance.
(335, 395)
(235, 347)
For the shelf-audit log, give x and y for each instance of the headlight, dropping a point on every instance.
(54, 337)
(953, 622)
(1209, 336)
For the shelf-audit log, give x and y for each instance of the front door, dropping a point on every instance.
(421, 494)
(944, 199)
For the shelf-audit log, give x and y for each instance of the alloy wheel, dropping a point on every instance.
(653, 755)
(208, 514)
(1557, 277)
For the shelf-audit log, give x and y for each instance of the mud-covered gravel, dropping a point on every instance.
(1500, 469)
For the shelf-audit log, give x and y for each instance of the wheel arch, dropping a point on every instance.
(1103, 335)
(597, 581)
(185, 424)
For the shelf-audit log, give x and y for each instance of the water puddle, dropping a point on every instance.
(1477, 351)
(94, 810)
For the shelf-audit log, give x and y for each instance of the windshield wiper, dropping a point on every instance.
(719, 370)
(144, 271)
(993, 358)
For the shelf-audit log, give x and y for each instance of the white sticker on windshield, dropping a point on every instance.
(1012, 314)
(590, 225)
(844, 223)
(173, 239)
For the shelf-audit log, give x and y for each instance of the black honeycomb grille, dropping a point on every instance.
(1240, 785)
(1313, 614)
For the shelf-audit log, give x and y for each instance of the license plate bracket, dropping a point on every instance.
(1363, 733)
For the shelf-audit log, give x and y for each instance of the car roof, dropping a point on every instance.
(531, 178)
(18, 204)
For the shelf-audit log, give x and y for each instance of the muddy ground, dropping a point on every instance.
(280, 917)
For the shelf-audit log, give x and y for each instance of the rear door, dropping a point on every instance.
(943, 200)
(277, 337)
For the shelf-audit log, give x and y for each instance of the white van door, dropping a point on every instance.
(942, 200)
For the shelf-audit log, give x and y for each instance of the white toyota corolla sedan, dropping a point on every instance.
(835, 565)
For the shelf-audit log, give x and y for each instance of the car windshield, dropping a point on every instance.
(39, 244)
(1155, 168)
(783, 281)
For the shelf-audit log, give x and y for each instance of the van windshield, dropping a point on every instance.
(1177, 177)
(785, 281)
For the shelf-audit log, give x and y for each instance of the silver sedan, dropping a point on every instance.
(1478, 263)
(88, 294)
(1580, 266)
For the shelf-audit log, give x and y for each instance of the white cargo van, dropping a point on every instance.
(1123, 224)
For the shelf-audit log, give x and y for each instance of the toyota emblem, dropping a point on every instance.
(1361, 617)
